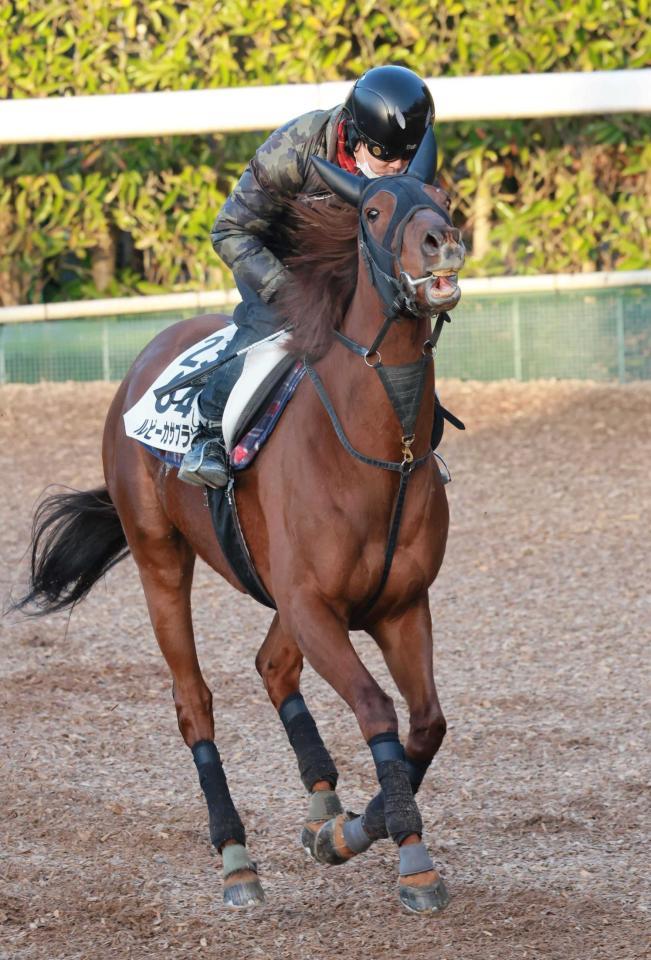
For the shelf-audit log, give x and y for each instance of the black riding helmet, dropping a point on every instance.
(389, 109)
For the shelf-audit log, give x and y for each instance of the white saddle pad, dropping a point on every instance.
(259, 365)
(171, 422)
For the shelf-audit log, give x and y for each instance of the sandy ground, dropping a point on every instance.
(537, 809)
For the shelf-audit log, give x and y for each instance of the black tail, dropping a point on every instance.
(76, 538)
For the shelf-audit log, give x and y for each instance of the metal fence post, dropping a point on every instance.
(3, 366)
(106, 356)
(621, 345)
(517, 339)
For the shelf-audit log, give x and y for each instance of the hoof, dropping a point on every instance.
(329, 844)
(247, 893)
(426, 899)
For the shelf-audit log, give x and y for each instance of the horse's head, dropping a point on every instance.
(407, 240)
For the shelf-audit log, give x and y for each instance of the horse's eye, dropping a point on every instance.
(372, 214)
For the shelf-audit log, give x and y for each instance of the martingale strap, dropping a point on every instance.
(404, 468)
(404, 385)
(391, 543)
(403, 382)
(398, 466)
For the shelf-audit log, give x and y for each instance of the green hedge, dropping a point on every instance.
(93, 219)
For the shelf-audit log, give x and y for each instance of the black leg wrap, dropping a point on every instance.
(373, 822)
(314, 761)
(225, 823)
(416, 770)
(401, 815)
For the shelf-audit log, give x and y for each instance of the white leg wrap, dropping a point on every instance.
(414, 859)
(234, 858)
(324, 804)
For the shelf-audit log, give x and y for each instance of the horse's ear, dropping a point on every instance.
(346, 185)
(423, 164)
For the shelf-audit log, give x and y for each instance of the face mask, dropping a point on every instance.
(365, 167)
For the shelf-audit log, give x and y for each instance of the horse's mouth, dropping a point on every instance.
(443, 288)
(444, 280)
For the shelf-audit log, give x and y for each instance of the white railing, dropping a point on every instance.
(167, 303)
(104, 116)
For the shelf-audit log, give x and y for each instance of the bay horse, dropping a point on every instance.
(344, 512)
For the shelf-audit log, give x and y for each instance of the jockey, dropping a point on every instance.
(375, 132)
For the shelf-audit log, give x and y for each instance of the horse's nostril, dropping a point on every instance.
(432, 243)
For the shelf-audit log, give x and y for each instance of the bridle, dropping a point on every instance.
(403, 383)
(396, 287)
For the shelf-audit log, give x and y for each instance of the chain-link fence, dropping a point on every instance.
(601, 335)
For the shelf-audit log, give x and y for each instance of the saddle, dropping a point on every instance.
(165, 420)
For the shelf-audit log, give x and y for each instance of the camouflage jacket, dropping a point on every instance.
(243, 233)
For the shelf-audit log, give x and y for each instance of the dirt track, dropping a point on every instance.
(537, 809)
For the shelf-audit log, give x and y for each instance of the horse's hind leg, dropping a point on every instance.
(279, 662)
(166, 563)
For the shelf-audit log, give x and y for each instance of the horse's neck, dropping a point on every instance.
(364, 319)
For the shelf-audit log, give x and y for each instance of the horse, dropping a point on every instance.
(344, 513)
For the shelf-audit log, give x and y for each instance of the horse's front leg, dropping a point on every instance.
(406, 643)
(279, 662)
(321, 633)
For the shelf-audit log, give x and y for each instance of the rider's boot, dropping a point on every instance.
(206, 463)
